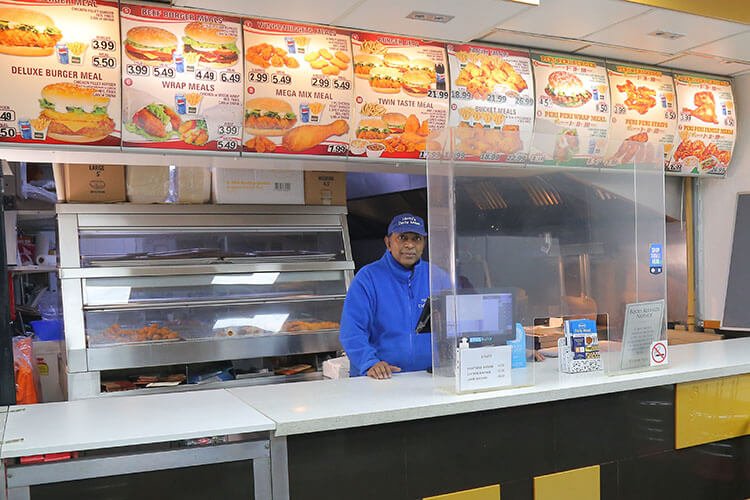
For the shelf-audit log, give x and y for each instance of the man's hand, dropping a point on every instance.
(382, 370)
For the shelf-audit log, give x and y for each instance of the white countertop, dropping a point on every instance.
(109, 422)
(306, 407)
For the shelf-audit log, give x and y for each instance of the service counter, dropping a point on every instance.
(609, 436)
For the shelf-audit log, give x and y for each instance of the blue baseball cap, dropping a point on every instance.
(407, 223)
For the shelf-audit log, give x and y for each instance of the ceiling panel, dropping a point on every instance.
(704, 64)
(572, 18)
(697, 31)
(733, 47)
(623, 54)
(472, 19)
(522, 40)
(319, 11)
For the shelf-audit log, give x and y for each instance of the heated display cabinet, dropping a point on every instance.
(149, 286)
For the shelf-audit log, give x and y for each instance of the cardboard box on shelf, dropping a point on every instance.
(89, 183)
(258, 187)
(325, 188)
(47, 356)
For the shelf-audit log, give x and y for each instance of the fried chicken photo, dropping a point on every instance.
(305, 137)
(640, 99)
(706, 107)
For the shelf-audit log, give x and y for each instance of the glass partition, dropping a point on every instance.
(536, 253)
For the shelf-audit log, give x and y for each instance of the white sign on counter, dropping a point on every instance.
(483, 368)
(644, 323)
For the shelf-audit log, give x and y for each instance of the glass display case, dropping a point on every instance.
(151, 286)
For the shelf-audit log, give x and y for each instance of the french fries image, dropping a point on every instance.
(373, 47)
(373, 109)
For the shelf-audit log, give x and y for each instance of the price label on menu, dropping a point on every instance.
(572, 111)
(402, 94)
(706, 128)
(60, 67)
(298, 84)
(644, 117)
(492, 103)
(182, 80)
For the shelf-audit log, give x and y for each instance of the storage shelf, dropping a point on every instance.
(32, 269)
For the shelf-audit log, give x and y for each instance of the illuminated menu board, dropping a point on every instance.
(298, 88)
(401, 96)
(706, 128)
(60, 67)
(182, 80)
(572, 110)
(492, 103)
(644, 114)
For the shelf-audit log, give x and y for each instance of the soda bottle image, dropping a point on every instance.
(440, 76)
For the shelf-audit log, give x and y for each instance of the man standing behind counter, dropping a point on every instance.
(384, 303)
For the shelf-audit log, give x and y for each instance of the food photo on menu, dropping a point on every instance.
(572, 119)
(644, 115)
(401, 96)
(182, 80)
(492, 103)
(60, 75)
(706, 127)
(298, 90)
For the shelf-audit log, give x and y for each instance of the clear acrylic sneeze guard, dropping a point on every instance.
(554, 243)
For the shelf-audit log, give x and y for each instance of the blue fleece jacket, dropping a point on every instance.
(381, 311)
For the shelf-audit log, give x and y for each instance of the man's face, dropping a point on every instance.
(406, 248)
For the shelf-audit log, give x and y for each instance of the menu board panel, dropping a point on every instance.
(572, 112)
(706, 127)
(401, 96)
(644, 114)
(492, 103)
(182, 80)
(60, 67)
(298, 88)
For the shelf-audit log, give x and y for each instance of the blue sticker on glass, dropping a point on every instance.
(655, 258)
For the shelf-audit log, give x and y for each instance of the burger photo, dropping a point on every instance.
(156, 121)
(385, 80)
(416, 83)
(150, 45)
(267, 116)
(423, 65)
(373, 129)
(395, 122)
(566, 89)
(75, 114)
(363, 63)
(396, 60)
(215, 43)
(24, 32)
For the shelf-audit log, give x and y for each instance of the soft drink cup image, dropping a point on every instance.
(179, 62)
(180, 103)
(24, 126)
(304, 113)
(291, 47)
(62, 53)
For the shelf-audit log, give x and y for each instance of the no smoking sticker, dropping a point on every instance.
(659, 353)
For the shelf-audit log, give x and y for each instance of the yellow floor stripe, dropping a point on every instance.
(712, 410)
(576, 484)
(485, 493)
